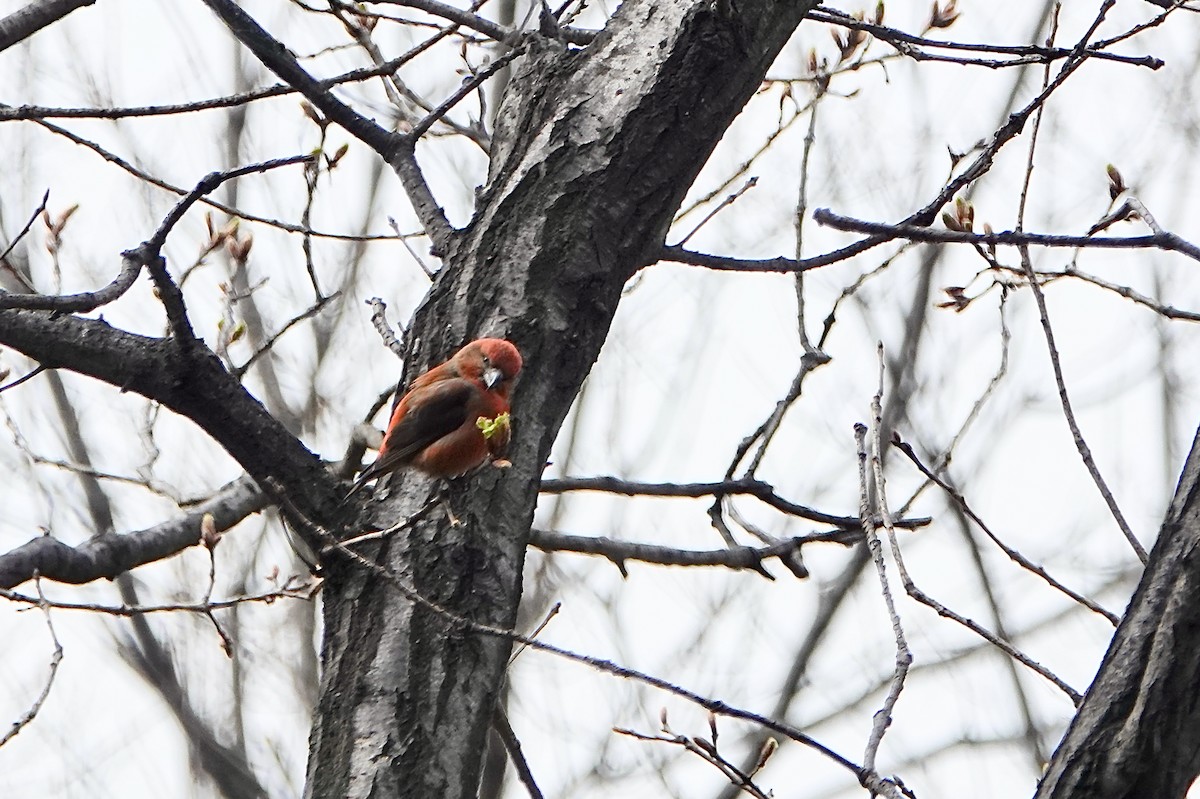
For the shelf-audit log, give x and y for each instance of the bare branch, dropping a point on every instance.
(23, 378)
(55, 660)
(134, 260)
(379, 321)
(749, 487)
(403, 162)
(82, 302)
(1085, 452)
(22, 24)
(1013, 554)
(4, 264)
(1162, 241)
(108, 556)
(308, 313)
(208, 184)
(706, 750)
(874, 487)
(866, 777)
(291, 590)
(355, 75)
(468, 86)
(141, 174)
(277, 58)
(778, 265)
(504, 729)
(460, 17)
(398, 150)
(733, 558)
(1021, 54)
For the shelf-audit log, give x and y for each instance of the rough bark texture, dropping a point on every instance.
(1137, 734)
(593, 154)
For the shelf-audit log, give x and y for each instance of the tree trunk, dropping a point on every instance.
(593, 153)
(1137, 734)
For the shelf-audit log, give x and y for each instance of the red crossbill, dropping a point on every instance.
(446, 424)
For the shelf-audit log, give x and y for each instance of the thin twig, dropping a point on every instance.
(55, 660)
(1013, 554)
(876, 487)
(20, 278)
(395, 343)
(468, 86)
(728, 201)
(290, 590)
(508, 737)
(309, 313)
(1085, 452)
(550, 614)
(1022, 54)
(211, 548)
(28, 376)
(706, 750)
(920, 596)
(210, 183)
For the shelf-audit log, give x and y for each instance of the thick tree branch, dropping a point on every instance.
(277, 58)
(83, 301)
(404, 163)
(111, 555)
(192, 383)
(22, 24)
(781, 264)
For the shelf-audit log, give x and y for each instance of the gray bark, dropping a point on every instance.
(1137, 733)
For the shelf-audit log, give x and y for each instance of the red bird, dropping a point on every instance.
(436, 426)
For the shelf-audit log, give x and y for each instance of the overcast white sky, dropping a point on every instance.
(694, 362)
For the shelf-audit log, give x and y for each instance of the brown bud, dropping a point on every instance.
(208, 532)
(1116, 183)
(768, 748)
(943, 16)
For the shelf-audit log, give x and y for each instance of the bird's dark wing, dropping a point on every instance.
(432, 412)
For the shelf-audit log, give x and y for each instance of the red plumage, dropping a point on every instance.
(434, 427)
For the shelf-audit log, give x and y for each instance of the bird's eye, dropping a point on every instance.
(486, 361)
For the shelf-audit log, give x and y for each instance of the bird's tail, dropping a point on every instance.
(368, 474)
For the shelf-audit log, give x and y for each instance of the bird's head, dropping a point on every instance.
(495, 361)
